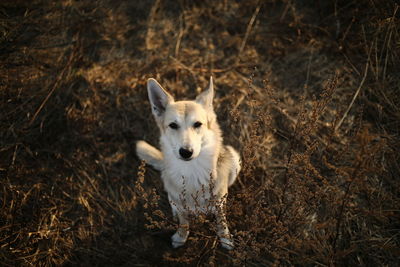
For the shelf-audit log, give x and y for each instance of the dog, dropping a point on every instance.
(196, 168)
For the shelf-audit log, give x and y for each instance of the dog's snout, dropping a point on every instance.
(186, 153)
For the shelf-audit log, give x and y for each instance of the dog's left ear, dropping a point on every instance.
(206, 97)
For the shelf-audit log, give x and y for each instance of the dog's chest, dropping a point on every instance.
(197, 171)
(190, 178)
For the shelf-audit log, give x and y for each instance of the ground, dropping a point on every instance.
(307, 91)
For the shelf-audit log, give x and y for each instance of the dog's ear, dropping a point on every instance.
(206, 97)
(159, 98)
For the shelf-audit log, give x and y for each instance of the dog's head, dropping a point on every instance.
(184, 124)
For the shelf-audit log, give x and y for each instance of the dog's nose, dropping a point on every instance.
(186, 153)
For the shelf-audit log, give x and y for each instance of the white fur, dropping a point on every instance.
(211, 165)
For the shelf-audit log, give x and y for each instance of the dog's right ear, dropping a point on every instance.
(159, 98)
(206, 97)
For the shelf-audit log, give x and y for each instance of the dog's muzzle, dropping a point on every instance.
(186, 154)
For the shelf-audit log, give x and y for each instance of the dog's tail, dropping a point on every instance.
(150, 154)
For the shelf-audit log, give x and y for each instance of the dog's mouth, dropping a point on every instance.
(184, 159)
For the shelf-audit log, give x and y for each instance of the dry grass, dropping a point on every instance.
(308, 92)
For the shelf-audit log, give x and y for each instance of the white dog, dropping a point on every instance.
(196, 168)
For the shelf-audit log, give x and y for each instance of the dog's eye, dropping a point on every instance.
(197, 124)
(173, 125)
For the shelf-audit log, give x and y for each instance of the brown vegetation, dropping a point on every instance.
(308, 91)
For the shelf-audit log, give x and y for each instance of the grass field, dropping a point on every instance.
(307, 91)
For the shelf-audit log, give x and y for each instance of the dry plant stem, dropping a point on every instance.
(150, 29)
(288, 161)
(180, 35)
(308, 70)
(248, 30)
(387, 40)
(339, 217)
(356, 94)
(55, 86)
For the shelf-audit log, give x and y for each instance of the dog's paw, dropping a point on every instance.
(226, 243)
(178, 240)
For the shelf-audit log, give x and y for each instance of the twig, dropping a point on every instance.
(14, 155)
(390, 31)
(308, 70)
(150, 28)
(180, 35)
(55, 45)
(248, 30)
(356, 94)
(339, 217)
(55, 86)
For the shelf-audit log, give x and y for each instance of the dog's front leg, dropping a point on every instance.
(181, 235)
(223, 230)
